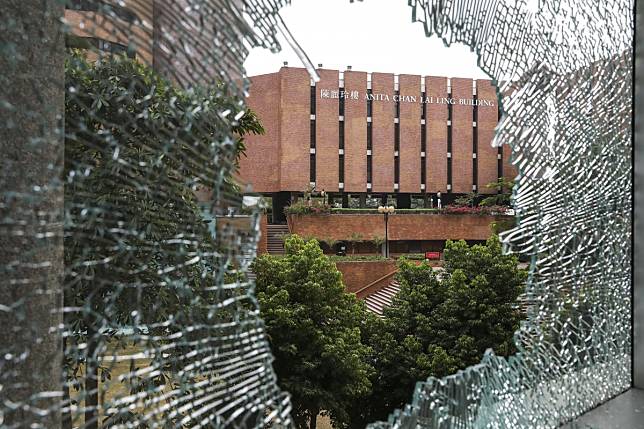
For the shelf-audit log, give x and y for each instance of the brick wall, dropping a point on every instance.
(279, 161)
(487, 119)
(326, 115)
(295, 129)
(401, 227)
(263, 150)
(358, 274)
(410, 135)
(462, 176)
(436, 135)
(103, 26)
(355, 134)
(383, 134)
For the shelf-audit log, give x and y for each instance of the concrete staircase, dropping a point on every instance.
(274, 238)
(377, 301)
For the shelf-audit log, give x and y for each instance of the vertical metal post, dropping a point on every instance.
(386, 236)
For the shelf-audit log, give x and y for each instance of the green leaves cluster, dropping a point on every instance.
(138, 254)
(439, 324)
(335, 358)
(314, 328)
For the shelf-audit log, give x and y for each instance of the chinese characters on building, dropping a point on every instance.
(330, 93)
(355, 95)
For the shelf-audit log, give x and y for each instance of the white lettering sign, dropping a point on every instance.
(399, 98)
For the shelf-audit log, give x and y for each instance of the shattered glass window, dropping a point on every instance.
(563, 71)
(125, 244)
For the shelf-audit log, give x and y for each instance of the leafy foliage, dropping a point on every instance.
(308, 206)
(439, 325)
(314, 328)
(504, 188)
(134, 256)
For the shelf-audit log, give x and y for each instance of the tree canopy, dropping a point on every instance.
(138, 252)
(441, 323)
(314, 328)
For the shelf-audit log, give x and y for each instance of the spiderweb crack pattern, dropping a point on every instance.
(563, 72)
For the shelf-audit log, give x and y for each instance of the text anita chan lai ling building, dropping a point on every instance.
(356, 134)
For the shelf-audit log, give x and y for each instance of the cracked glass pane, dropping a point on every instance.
(125, 239)
(125, 243)
(564, 71)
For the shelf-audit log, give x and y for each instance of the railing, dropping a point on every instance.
(375, 285)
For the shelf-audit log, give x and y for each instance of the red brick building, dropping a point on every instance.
(363, 137)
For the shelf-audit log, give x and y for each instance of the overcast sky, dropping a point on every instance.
(372, 36)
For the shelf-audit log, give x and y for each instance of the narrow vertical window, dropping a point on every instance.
(369, 151)
(341, 137)
(397, 97)
(475, 144)
(499, 155)
(423, 142)
(449, 145)
(312, 135)
(500, 162)
(397, 140)
(397, 170)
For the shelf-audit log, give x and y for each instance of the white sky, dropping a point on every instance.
(372, 36)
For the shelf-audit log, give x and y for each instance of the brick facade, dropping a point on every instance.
(436, 135)
(487, 118)
(280, 160)
(358, 274)
(327, 130)
(383, 135)
(355, 134)
(428, 227)
(462, 178)
(410, 114)
(295, 130)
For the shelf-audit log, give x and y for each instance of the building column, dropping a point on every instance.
(31, 194)
(363, 200)
(403, 201)
(637, 360)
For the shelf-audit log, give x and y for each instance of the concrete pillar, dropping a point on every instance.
(638, 241)
(31, 196)
(345, 200)
(363, 201)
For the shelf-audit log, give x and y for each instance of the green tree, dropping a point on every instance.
(136, 149)
(314, 328)
(437, 326)
(503, 187)
(466, 200)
